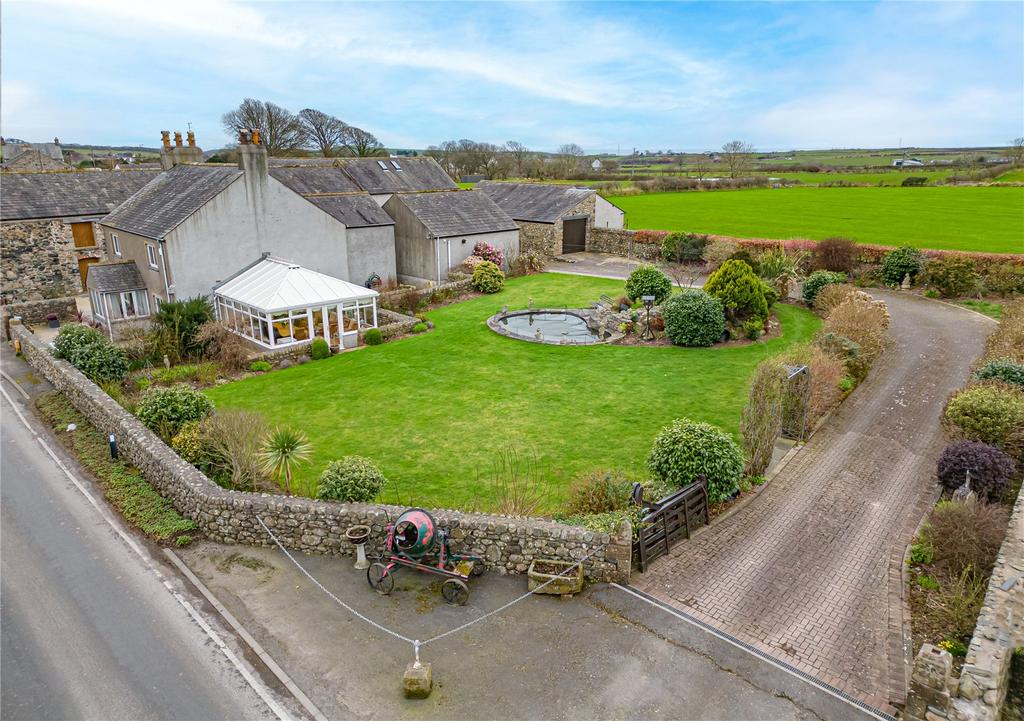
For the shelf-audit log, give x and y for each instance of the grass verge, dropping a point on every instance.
(122, 485)
(992, 310)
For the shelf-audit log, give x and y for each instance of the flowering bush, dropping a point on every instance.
(353, 479)
(687, 449)
(489, 253)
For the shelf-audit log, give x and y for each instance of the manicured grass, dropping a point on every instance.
(987, 219)
(435, 410)
(992, 310)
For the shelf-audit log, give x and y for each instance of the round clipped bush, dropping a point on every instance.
(488, 278)
(373, 336)
(687, 449)
(648, 280)
(71, 337)
(899, 263)
(693, 317)
(352, 479)
(1002, 369)
(318, 349)
(991, 469)
(989, 412)
(101, 362)
(739, 289)
(166, 410)
(818, 280)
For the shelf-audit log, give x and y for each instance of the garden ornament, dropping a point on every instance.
(648, 334)
(358, 535)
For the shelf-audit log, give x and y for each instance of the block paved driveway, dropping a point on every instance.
(809, 570)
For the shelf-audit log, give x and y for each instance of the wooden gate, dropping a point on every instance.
(670, 519)
(574, 235)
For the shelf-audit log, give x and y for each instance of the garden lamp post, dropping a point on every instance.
(648, 334)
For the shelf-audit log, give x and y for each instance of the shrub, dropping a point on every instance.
(1008, 340)
(989, 412)
(744, 255)
(373, 336)
(178, 322)
(771, 296)
(352, 479)
(718, 251)
(1005, 279)
(753, 328)
(419, 328)
(71, 337)
(189, 443)
(526, 263)
(409, 300)
(952, 275)
(832, 295)
(778, 268)
(489, 253)
(835, 254)
(966, 536)
(648, 280)
(231, 441)
(827, 372)
(818, 280)
(1002, 369)
(692, 317)
(914, 181)
(318, 349)
(488, 278)
(761, 420)
(260, 366)
(683, 247)
(100, 362)
(991, 469)
(865, 322)
(166, 410)
(222, 345)
(739, 289)
(901, 262)
(282, 451)
(598, 492)
(687, 449)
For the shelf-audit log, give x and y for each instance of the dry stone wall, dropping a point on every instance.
(39, 258)
(34, 312)
(508, 544)
(620, 241)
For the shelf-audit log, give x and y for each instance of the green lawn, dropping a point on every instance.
(435, 410)
(989, 219)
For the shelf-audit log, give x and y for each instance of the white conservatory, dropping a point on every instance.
(276, 303)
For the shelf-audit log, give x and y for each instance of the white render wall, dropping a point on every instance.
(607, 215)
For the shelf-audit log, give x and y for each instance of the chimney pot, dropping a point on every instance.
(177, 139)
(191, 139)
(243, 137)
(165, 137)
(56, 141)
(255, 137)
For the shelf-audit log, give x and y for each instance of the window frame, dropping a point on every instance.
(115, 244)
(151, 256)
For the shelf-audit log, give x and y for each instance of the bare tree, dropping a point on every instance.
(362, 143)
(279, 129)
(324, 132)
(1016, 151)
(519, 154)
(736, 154)
(701, 167)
(569, 156)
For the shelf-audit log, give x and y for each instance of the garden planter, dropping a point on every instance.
(543, 570)
(53, 321)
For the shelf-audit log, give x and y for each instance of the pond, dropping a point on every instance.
(546, 326)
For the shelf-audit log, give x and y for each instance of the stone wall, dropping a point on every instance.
(935, 693)
(619, 241)
(540, 238)
(39, 258)
(34, 312)
(507, 543)
(392, 323)
(389, 298)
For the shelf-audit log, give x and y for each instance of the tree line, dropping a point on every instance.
(510, 159)
(287, 133)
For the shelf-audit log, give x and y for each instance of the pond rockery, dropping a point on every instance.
(557, 326)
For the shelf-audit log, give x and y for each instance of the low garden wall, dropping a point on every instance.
(34, 312)
(935, 694)
(392, 323)
(456, 286)
(620, 241)
(508, 544)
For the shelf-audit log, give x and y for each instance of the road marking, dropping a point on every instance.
(106, 515)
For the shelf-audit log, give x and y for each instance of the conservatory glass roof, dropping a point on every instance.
(273, 284)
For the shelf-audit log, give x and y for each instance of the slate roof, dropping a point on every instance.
(457, 212)
(401, 175)
(331, 190)
(113, 277)
(534, 202)
(25, 196)
(169, 199)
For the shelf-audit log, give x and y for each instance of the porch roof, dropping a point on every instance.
(274, 284)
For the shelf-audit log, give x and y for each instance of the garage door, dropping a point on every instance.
(574, 235)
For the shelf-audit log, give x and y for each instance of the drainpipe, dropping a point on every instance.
(163, 270)
(437, 258)
(448, 247)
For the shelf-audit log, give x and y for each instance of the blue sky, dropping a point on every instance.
(604, 75)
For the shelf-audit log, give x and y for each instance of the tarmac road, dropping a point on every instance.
(87, 629)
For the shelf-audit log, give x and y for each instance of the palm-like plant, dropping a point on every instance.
(283, 450)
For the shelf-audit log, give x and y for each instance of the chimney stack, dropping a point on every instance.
(166, 158)
(179, 154)
(252, 155)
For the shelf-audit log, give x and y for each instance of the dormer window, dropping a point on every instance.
(383, 165)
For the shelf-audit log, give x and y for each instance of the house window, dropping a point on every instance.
(151, 256)
(128, 304)
(133, 304)
(115, 244)
(383, 165)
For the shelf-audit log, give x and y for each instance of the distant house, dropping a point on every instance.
(48, 222)
(906, 163)
(553, 219)
(33, 156)
(597, 164)
(435, 232)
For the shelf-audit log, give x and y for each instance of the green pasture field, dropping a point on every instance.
(982, 219)
(435, 410)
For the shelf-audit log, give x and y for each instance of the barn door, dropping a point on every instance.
(83, 268)
(574, 235)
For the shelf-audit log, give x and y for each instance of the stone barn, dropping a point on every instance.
(553, 219)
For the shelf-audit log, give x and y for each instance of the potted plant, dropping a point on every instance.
(52, 320)
(560, 581)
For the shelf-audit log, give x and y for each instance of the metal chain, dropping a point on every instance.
(417, 644)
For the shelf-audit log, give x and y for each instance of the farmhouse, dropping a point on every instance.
(194, 226)
(48, 222)
(553, 219)
(435, 232)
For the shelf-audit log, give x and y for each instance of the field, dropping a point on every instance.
(942, 218)
(436, 410)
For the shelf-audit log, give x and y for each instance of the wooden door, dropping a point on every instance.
(83, 268)
(83, 236)
(574, 235)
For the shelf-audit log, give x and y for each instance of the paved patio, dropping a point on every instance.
(810, 571)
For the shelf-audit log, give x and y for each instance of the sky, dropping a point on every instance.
(606, 76)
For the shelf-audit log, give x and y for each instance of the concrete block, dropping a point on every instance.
(418, 680)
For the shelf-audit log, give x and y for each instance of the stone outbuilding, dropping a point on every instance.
(435, 232)
(49, 226)
(553, 219)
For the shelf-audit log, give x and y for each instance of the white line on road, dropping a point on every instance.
(105, 514)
